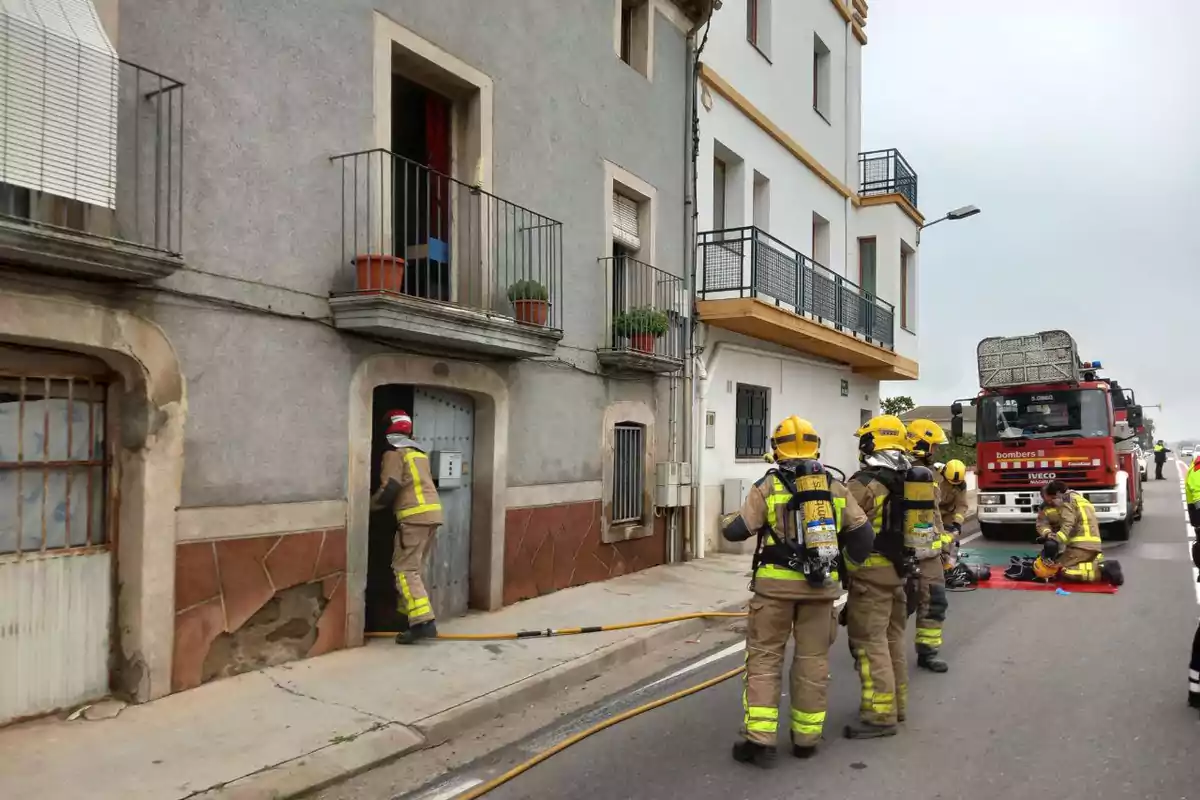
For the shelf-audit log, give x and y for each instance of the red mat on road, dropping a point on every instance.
(998, 581)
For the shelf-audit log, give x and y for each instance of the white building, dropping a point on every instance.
(807, 265)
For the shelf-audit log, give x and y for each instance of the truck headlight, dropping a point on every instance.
(1102, 497)
(990, 500)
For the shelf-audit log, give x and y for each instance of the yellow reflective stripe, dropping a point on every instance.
(410, 458)
(761, 719)
(808, 722)
(777, 573)
(864, 674)
(412, 512)
(1085, 528)
(839, 505)
(959, 518)
(421, 507)
(929, 636)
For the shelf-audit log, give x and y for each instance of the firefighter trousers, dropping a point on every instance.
(409, 556)
(1080, 566)
(876, 621)
(931, 606)
(771, 622)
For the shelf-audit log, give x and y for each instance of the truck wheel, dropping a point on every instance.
(1116, 531)
(991, 530)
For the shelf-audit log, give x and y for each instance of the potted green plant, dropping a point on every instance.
(642, 326)
(531, 302)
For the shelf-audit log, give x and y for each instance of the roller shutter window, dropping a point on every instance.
(625, 222)
(58, 101)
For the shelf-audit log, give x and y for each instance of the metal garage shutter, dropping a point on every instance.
(625, 222)
(58, 103)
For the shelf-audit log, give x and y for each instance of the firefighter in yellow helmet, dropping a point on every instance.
(900, 500)
(802, 516)
(1069, 533)
(923, 436)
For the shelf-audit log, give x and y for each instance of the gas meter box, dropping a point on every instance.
(446, 466)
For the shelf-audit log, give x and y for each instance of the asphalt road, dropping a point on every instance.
(1080, 696)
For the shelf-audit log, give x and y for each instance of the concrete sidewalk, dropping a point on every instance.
(288, 729)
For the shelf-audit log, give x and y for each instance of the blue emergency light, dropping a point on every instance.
(1091, 365)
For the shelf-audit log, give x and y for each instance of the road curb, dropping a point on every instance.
(378, 746)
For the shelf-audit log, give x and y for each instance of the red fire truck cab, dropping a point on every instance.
(1043, 415)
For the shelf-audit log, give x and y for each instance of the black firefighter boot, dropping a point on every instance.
(1110, 569)
(929, 660)
(422, 630)
(760, 755)
(803, 750)
(869, 730)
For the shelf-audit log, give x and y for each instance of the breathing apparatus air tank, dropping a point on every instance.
(815, 521)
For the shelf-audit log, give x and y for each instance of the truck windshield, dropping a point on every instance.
(1040, 415)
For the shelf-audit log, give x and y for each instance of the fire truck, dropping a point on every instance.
(1042, 414)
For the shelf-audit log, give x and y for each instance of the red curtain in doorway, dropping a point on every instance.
(437, 142)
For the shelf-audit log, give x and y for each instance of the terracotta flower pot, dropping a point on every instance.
(379, 272)
(532, 312)
(643, 342)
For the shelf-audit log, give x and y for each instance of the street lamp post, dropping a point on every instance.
(956, 214)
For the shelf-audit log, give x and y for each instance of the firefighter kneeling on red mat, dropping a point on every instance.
(801, 516)
(1069, 533)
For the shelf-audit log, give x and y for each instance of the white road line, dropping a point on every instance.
(446, 791)
(1191, 533)
(704, 662)
(970, 538)
(717, 656)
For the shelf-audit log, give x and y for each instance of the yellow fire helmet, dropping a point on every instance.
(793, 439)
(885, 432)
(955, 471)
(923, 435)
(1043, 570)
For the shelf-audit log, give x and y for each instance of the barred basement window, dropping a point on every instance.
(629, 474)
(751, 429)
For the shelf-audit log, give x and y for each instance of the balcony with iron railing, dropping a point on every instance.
(429, 259)
(754, 284)
(646, 311)
(91, 172)
(885, 172)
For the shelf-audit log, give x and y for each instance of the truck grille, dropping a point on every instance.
(1021, 477)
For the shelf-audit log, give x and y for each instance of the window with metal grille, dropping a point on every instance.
(753, 406)
(629, 472)
(53, 464)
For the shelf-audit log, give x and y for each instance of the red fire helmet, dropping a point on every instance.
(399, 422)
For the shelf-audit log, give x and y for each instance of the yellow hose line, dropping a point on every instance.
(476, 637)
(500, 780)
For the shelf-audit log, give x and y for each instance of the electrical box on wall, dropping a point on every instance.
(734, 491)
(710, 429)
(447, 468)
(672, 484)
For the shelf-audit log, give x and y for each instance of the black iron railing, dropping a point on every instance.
(647, 309)
(886, 172)
(748, 262)
(137, 196)
(411, 230)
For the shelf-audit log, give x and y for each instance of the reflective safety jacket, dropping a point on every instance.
(1192, 485)
(1074, 524)
(417, 502)
(766, 508)
(1160, 454)
(952, 508)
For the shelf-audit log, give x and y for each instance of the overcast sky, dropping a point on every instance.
(1075, 126)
